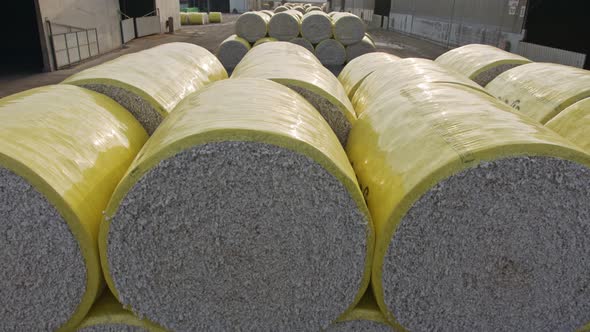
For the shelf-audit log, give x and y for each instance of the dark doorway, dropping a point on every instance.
(382, 7)
(559, 24)
(21, 51)
(137, 8)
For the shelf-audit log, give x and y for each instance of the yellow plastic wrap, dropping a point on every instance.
(184, 18)
(208, 116)
(541, 90)
(476, 59)
(348, 28)
(573, 123)
(366, 309)
(214, 17)
(358, 69)
(110, 313)
(73, 145)
(264, 40)
(293, 65)
(422, 134)
(403, 73)
(197, 18)
(162, 75)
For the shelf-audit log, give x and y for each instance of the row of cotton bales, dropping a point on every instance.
(468, 194)
(334, 38)
(196, 18)
(303, 8)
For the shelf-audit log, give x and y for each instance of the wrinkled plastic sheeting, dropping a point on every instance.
(108, 312)
(419, 135)
(541, 90)
(403, 73)
(475, 59)
(573, 123)
(228, 113)
(162, 75)
(359, 68)
(294, 65)
(73, 145)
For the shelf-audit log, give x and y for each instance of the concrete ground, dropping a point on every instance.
(209, 37)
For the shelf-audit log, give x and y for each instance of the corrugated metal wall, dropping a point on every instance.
(460, 22)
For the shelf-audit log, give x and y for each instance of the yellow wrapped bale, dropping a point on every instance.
(249, 185)
(330, 52)
(348, 28)
(481, 63)
(252, 26)
(281, 9)
(264, 40)
(573, 123)
(108, 315)
(215, 17)
(366, 45)
(285, 25)
(232, 50)
(184, 19)
(481, 214)
(400, 74)
(150, 83)
(303, 43)
(63, 149)
(358, 69)
(541, 90)
(316, 26)
(297, 68)
(197, 18)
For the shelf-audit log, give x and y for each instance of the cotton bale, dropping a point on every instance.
(264, 40)
(299, 69)
(482, 215)
(252, 26)
(150, 83)
(197, 18)
(330, 52)
(63, 149)
(573, 123)
(541, 90)
(366, 45)
(285, 25)
(481, 63)
(269, 13)
(232, 50)
(316, 26)
(215, 17)
(359, 68)
(280, 9)
(348, 28)
(313, 8)
(253, 224)
(303, 43)
(184, 19)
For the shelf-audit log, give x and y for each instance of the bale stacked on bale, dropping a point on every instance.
(264, 219)
(366, 45)
(366, 317)
(541, 90)
(297, 68)
(108, 315)
(232, 50)
(252, 26)
(299, 9)
(573, 123)
(150, 83)
(197, 18)
(313, 8)
(281, 9)
(358, 69)
(269, 13)
(330, 52)
(348, 28)
(303, 43)
(316, 26)
(214, 17)
(264, 40)
(285, 25)
(481, 63)
(482, 215)
(63, 149)
(404, 73)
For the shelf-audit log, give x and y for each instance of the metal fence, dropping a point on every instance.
(72, 44)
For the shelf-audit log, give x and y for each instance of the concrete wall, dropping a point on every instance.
(239, 5)
(102, 15)
(169, 8)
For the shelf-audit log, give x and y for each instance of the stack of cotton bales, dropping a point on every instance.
(335, 38)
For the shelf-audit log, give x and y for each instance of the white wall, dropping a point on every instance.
(169, 8)
(240, 5)
(102, 15)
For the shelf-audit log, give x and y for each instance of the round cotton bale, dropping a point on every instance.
(481, 63)
(281, 9)
(404, 73)
(63, 149)
(264, 40)
(482, 215)
(363, 47)
(284, 25)
(252, 26)
(358, 69)
(573, 123)
(303, 43)
(269, 13)
(299, 9)
(232, 50)
(316, 26)
(150, 83)
(541, 90)
(299, 69)
(197, 18)
(348, 28)
(184, 19)
(253, 225)
(330, 52)
(312, 8)
(108, 315)
(365, 317)
(215, 17)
